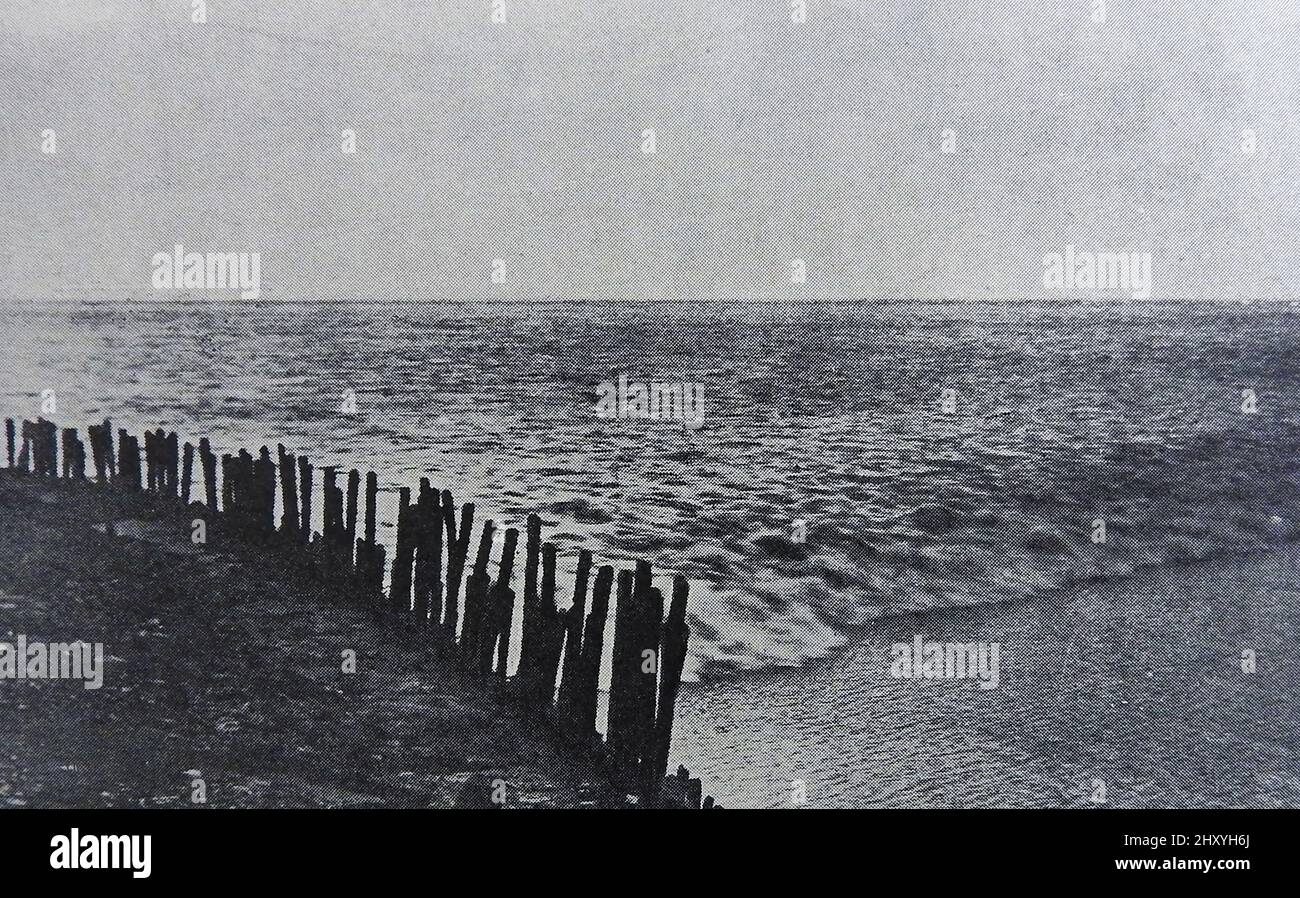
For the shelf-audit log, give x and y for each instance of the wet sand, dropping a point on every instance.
(1137, 684)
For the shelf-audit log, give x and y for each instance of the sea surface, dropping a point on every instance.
(947, 462)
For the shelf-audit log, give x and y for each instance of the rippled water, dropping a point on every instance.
(1137, 685)
(831, 415)
(828, 414)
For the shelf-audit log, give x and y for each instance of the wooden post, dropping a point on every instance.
(623, 672)
(187, 473)
(350, 529)
(38, 448)
(239, 487)
(367, 558)
(574, 618)
(40, 466)
(37, 441)
(150, 465)
(528, 633)
(163, 444)
(51, 436)
(502, 601)
(154, 441)
(641, 738)
(289, 523)
(431, 524)
(426, 519)
(672, 657)
(399, 592)
(69, 434)
(97, 451)
(173, 463)
(484, 548)
(243, 488)
(476, 602)
(78, 457)
(129, 449)
(433, 541)
(372, 495)
(586, 688)
(69, 451)
(9, 439)
(107, 429)
(51, 447)
(261, 491)
(228, 485)
(265, 491)
(123, 453)
(69, 443)
(160, 460)
(25, 450)
(550, 636)
(45, 447)
(304, 489)
(457, 550)
(333, 532)
(380, 561)
(209, 460)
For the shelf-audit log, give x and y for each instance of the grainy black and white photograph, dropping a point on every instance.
(775, 404)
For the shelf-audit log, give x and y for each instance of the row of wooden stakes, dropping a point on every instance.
(560, 649)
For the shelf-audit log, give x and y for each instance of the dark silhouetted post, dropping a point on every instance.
(350, 529)
(502, 601)
(549, 634)
(676, 635)
(107, 428)
(173, 464)
(587, 684)
(289, 523)
(574, 618)
(399, 592)
(528, 633)
(209, 460)
(426, 519)
(304, 490)
(187, 473)
(457, 550)
(69, 434)
(623, 672)
(476, 602)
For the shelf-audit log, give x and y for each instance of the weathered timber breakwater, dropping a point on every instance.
(463, 613)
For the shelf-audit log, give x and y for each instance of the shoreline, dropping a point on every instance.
(1135, 682)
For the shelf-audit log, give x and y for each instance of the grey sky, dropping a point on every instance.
(775, 141)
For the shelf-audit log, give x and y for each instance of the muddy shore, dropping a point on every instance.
(225, 663)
